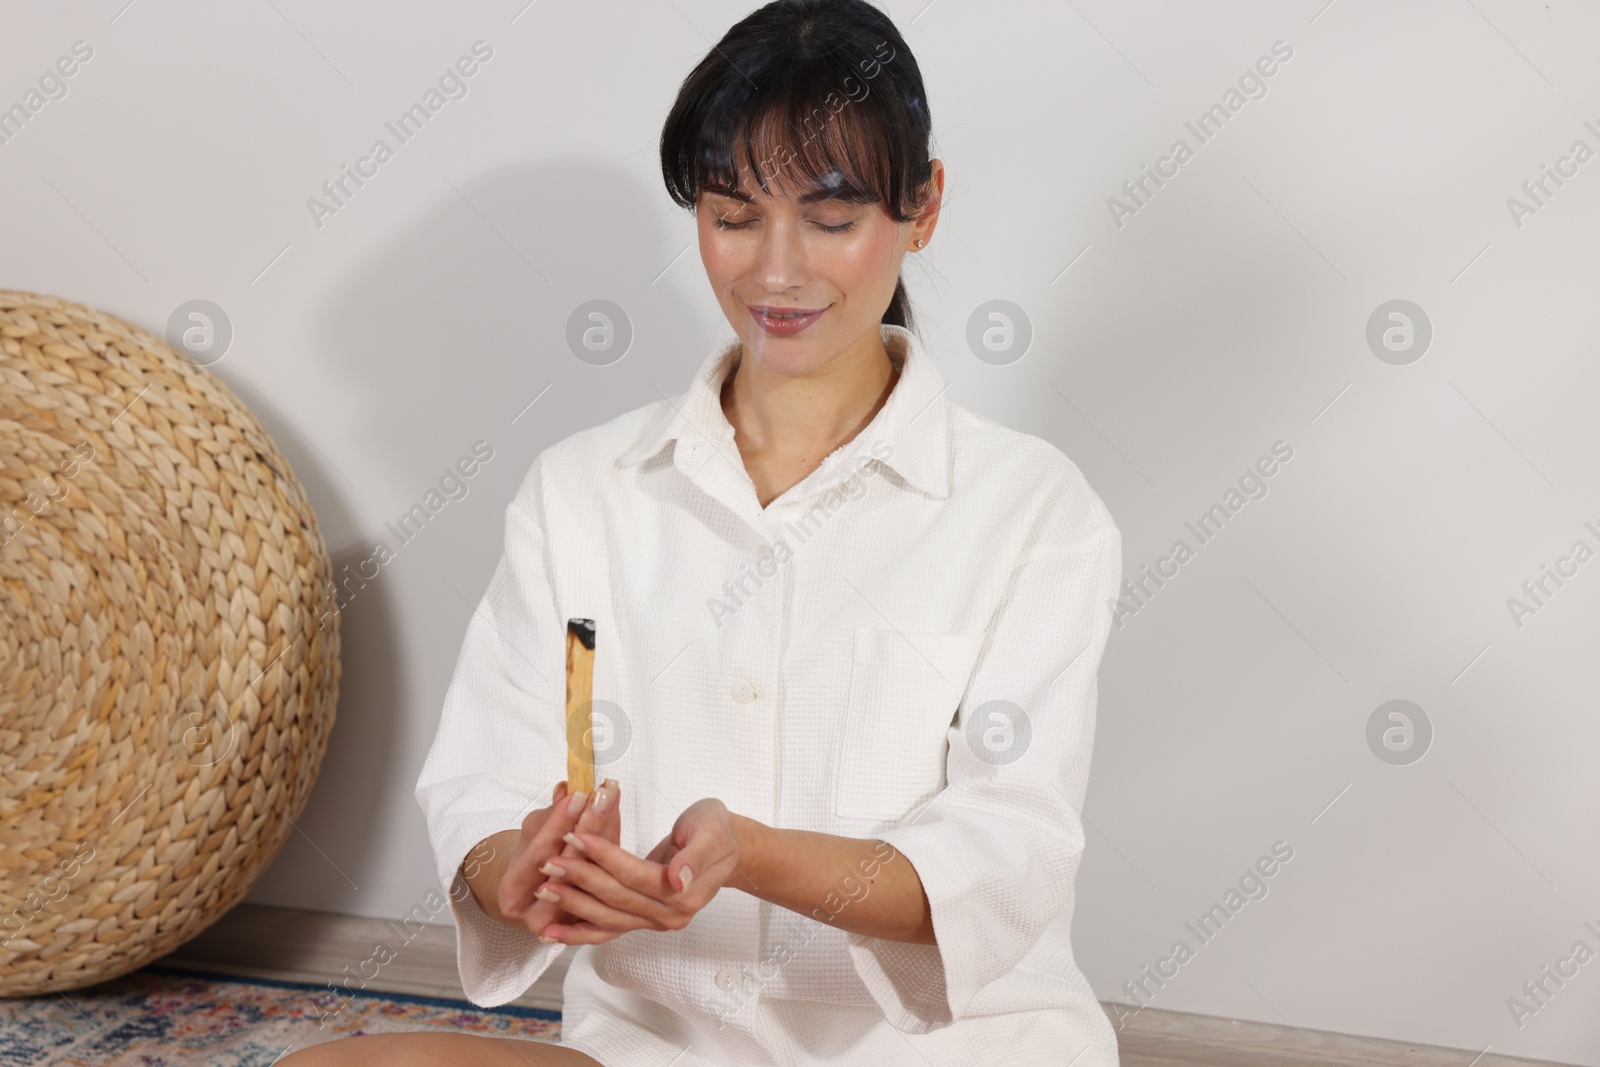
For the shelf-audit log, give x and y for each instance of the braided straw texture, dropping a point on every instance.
(169, 647)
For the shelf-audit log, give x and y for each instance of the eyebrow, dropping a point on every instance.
(840, 192)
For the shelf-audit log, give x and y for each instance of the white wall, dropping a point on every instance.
(1227, 314)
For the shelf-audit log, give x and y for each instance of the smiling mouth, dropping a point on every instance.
(786, 322)
(784, 313)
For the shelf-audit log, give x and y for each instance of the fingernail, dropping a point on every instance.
(552, 869)
(687, 875)
(546, 895)
(575, 804)
(572, 839)
(603, 796)
(547, 940)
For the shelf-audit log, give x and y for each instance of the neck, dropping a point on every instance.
(809, 415)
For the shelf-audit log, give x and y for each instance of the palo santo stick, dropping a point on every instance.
(580, 696)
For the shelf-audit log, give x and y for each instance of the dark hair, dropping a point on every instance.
(829, 92)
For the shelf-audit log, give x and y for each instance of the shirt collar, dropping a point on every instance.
(914, 422)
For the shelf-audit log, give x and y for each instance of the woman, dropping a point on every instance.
(846, 642)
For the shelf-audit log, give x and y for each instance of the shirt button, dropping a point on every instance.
(727, 978)
(744, 692)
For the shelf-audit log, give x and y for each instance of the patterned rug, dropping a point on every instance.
(163, 1016)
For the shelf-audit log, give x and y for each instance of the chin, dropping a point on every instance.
(796, 355)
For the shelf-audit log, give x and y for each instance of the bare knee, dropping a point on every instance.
(312, 1056)
(382, 1050)
(341, 1052)
(429, 1049)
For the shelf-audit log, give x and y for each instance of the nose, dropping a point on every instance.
(780, 256)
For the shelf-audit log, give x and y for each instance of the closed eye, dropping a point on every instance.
(723, 224)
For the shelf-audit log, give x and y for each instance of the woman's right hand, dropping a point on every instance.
(542, 832)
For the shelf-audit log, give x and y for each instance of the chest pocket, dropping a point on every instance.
(904, 691)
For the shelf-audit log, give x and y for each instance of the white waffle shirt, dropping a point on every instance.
(826, 663)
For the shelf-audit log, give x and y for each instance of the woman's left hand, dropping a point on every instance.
(611, 891)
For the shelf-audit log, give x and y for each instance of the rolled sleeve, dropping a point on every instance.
(997, 849)
(497, 963)
(500, 749)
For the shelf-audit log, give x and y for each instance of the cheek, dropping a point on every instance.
(865, 262)
(722, 259)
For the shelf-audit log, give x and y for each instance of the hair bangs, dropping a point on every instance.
(807, 140)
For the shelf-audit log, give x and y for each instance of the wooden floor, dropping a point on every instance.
(310, 946)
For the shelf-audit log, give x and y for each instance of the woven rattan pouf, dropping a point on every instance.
(169, 647)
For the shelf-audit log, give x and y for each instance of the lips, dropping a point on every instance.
(784, 321)
(782, 312)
